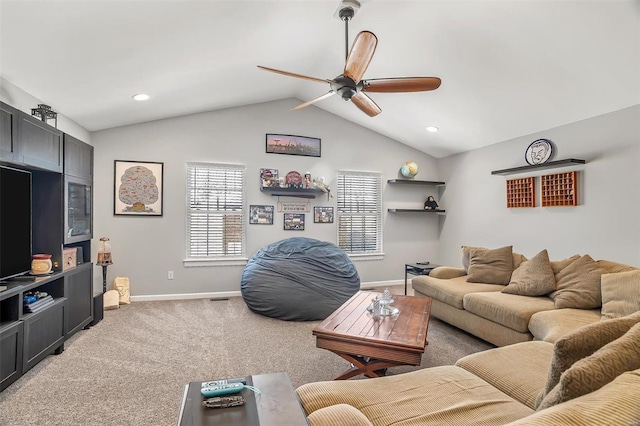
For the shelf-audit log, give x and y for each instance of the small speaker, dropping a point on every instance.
(79, 255)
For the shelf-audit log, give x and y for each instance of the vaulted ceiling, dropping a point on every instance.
(508, 68)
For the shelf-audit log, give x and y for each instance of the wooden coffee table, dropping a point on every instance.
(373, 346)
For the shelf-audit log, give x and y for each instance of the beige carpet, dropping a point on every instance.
(131, 368)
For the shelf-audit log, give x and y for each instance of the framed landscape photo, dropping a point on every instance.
(294, 221)
(293, 145)
(323, 215)
(260, 215)
(137, 188)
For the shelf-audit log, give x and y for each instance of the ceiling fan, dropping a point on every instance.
(350, 85)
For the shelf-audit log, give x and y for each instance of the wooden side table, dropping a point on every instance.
(416, 269)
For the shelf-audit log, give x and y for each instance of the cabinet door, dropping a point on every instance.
(78, 212)
(39, 144)
(78, 158)
(10, 354)
(43, 334)
(7, 132)
(78, 289)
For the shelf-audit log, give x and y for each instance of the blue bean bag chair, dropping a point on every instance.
(299, 279)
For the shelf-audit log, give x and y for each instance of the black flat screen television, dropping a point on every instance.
(15, 222)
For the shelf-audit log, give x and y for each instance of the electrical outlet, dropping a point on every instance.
(170, 275)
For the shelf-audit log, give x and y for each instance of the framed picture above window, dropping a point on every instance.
(260, 215)
(293, 145)
(294, 221)
(137, 188)
(323, 215)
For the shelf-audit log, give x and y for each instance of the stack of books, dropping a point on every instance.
(38, 305)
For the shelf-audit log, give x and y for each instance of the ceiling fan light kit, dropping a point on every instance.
(350, 85)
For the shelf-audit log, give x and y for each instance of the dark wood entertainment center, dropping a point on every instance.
(61, 168)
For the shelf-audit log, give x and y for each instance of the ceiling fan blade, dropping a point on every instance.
(360, 55)
(313, 101)
(402, 84)
(366, 104)
(290, 74)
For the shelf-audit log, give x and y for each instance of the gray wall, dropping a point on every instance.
(605, 224)
(18, 98)
(145, 249)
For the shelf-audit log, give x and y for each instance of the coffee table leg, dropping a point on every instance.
(367, 366)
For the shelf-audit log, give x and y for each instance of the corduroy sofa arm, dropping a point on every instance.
(338, 415)
(447, 272)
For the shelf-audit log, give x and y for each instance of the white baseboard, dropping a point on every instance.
(227, 294)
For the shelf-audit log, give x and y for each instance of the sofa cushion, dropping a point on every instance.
(519, 370)
(534, 277)
(582, 343)
(578, 285)
(549, 326)
(559, 265)
(450, 291)
(490, 266)
(620, 294)
(591, 373)
(614, 267)
(510, 310)
(338, 415)
(614, 404)
(445, 395)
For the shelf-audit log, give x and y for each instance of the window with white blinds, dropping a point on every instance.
(359, 212)
(215, 211)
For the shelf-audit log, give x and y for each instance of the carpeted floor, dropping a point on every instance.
(131, 368)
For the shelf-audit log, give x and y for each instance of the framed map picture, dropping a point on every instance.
(137, 188)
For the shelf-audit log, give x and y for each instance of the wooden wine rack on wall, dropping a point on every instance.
(560, 189)
(521, 192)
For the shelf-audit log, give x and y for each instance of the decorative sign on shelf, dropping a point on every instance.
(293, 207)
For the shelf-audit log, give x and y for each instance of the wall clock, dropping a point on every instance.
(539, 152)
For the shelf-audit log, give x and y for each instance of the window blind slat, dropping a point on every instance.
(359, 212)
(215, 210)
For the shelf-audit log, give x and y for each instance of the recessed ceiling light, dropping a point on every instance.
(140, 97)
(432, 129)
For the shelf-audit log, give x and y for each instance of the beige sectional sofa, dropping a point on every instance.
(588, 377)
(485, 310)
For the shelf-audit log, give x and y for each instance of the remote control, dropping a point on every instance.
(222, 389)
(223, 382)
(426, 262)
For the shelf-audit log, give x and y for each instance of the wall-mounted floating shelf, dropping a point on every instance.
(550, 165)
(293, 192)
(415, 182)
(414, 211)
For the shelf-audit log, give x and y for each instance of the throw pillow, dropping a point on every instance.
(490, 266)
(591, 373)
(465, 256)
(534, 277)
(578, 285)
(582, 343)
(559, 265)
(620, 294)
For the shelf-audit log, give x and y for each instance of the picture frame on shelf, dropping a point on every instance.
(323, 215)
(269, 178)
(260, 215)
(294, 221)
(138, 188)
(293, 145)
